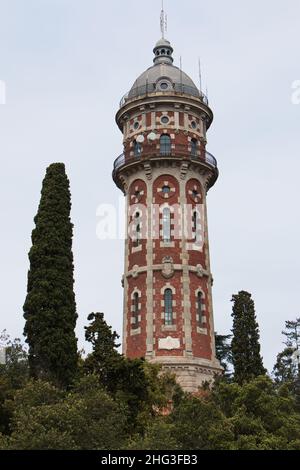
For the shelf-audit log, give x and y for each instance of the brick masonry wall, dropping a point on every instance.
(137, 202)
(200, 330)
(155, 265)
(200, 335)
(136, 337)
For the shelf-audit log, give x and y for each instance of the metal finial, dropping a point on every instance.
(163, 20)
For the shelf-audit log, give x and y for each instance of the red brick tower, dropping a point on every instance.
(165, 173)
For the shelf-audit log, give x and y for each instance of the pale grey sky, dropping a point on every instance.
(67, 63)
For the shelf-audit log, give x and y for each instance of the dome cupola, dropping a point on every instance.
(163, 52)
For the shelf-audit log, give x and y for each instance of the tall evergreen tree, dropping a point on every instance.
(105, 359)
(247, 360)
(285, 370)
(292, 334)
(50, 308)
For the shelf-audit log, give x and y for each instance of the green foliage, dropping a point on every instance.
(105, 361)
(292, 333)
(144, 390)
(13, 376)
(224, 353)
(285, 370)
(252, 416)
(135, 382)
(159, 435)
(194, 424)
(200, 425)
(50, 309)
(84, 418)
(145, 409)
(245, 346)
(262, 419)
(16, 367)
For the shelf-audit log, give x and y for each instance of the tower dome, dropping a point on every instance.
(163, 76)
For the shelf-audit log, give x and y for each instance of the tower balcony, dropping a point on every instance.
(179, 153)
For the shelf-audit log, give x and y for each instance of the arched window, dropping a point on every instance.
(137, 149)
(196, 226)
(135, 309)
(166, 225)
(199, 307)
(194, 146)
(165, 145)
(137, 229)
(168, 301)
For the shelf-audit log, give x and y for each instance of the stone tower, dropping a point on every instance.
(165, 173)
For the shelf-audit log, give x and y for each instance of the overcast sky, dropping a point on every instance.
(67, 63)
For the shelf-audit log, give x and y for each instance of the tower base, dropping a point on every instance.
(191, 373)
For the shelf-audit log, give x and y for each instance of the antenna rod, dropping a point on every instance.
(181, 84)
(163, 20)
(200, 75)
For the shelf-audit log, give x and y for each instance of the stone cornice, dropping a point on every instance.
(210, 175)
(199, 270)
(157, 99)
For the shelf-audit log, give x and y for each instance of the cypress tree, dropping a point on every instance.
(223, 353)
(245, 346)
(50, 308)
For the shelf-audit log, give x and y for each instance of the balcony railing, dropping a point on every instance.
(151, 88)
(179, 151)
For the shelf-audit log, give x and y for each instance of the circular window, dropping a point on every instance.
(164, 86)
(194, 124)
(195, 193)
(136, 125)
(165, 120)
(166, 189)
